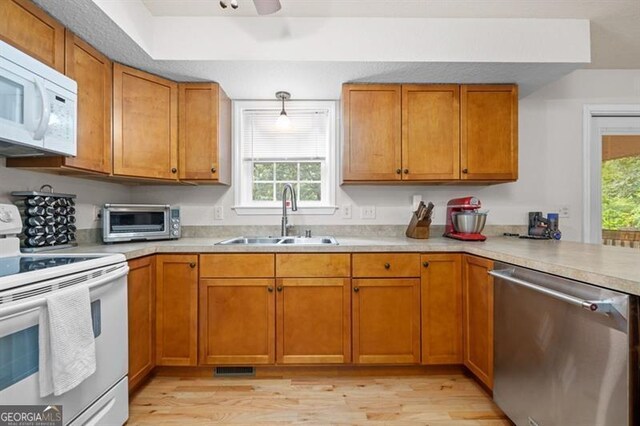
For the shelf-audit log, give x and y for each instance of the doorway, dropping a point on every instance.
(612, 175)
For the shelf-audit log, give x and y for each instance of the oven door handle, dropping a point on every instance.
(597, 306)
(29, 305)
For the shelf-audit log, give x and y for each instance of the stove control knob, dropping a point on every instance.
(5, 216)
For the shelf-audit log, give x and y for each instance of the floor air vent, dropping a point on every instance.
(234, 371)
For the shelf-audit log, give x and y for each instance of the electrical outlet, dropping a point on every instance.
(564, 211)
(218, 213)
(346, 211)
(368, 212)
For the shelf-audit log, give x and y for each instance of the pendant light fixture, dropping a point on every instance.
(283, 121)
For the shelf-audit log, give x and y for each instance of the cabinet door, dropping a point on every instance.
(478, 317)
(141, 293)
(177, 309)
(441, 293)
(430, 132)
(313, 320)
(145, 124)
(489, 132)
(386, 321)
(237, 321)
(30, 29)
(204, 133)
(92, 71)
(372, 131)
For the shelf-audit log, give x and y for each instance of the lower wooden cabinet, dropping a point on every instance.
(478, 317)
(441, 294)
(313, 320)
(237, 321)
(141, 293)
(386, 321)
(177, 309)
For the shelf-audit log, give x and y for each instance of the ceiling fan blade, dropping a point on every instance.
(267, 7)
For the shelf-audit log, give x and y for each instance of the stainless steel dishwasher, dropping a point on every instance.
(565, 352)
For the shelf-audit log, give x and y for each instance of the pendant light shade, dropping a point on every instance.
(283, 122)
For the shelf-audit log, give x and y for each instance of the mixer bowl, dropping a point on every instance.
(468, 222)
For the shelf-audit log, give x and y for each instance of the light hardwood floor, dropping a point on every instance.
(450, 399)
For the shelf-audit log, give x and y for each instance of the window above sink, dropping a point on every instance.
(266, 157)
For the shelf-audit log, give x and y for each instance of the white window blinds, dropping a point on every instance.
(306, 139)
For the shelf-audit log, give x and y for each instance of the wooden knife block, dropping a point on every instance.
(418, 229)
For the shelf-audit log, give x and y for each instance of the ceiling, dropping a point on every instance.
(615, 24)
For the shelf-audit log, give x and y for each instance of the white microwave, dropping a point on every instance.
(38, 107)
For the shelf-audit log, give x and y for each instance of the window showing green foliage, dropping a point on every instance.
(269, 179)
(621, 193)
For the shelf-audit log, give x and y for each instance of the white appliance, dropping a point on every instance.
(38, 107)
(25, 282)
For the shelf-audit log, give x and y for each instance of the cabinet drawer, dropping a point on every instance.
(236, 265)
(386, 265)
(313, 265)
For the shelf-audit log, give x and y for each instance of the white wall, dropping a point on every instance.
(550, 168)
(550, 171)
(90, 193)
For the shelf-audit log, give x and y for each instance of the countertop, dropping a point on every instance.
(615, 268)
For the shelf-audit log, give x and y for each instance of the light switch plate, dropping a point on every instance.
(564, 211)
(368, 212)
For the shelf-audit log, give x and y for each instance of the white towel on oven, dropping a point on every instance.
(67, 352)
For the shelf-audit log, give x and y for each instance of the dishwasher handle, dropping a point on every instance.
(597, 306)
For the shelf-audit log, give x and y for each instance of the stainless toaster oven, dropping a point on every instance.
(140, 222)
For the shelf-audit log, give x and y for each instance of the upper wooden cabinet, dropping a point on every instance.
(477, 295)
(177, 309)
(430, 133)
(204, 135)
(30, 29)
(145, 125)
(489, 132)
(372, 132)
(441, 294)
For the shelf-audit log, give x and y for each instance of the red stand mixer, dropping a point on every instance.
(464, 222)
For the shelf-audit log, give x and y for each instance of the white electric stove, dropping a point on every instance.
(25, 282)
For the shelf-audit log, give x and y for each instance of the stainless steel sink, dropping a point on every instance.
(265, 241)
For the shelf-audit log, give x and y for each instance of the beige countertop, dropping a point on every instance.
(615, 268)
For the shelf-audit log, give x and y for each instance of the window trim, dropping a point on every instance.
(243, 208)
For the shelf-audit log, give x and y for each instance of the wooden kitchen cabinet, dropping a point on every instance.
(372, 132)
(145, 125)
(477, 294)
(313, 308)
(386, 321)
(141, 293)
(441, 295)
(430, 132)
(30, 29)
(237, 321)
(177, 309)
(386, 265)
(489, 132)
(204, 133)
(93, 73)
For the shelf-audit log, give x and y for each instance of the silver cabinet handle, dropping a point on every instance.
(599, 306)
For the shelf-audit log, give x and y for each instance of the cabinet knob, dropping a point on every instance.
(192, 264)
(270, 289)
(174, 170)
(356, 289)
(387, 265)
(406, 171)
(425, 264)
(398, 171)
(279, 288)
(465, 171)
(213, 170)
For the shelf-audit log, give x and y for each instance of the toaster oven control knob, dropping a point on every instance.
(174, 233)
(175, 226)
